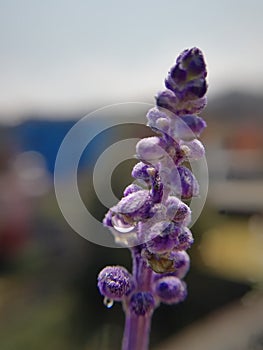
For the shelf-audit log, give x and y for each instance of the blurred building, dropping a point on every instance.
(234, 143)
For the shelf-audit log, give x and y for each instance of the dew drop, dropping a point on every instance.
(108, 302)
(121, 226)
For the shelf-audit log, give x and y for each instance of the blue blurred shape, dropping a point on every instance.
(45, 137)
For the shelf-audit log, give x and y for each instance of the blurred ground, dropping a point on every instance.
(237, 326)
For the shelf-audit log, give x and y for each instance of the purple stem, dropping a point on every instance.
(136, 332)
(137, 327)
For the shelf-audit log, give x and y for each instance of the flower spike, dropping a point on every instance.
(152, 219)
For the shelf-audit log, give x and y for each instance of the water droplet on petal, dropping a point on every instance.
(108, 302)
(121, 226)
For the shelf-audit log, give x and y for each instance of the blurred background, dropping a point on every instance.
(61, 60)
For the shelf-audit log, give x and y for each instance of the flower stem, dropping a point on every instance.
(136, 332)
(141, 272)
(137, 327)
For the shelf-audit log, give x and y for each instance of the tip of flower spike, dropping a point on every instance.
(192, 60)
(188, 127)
(187, 80)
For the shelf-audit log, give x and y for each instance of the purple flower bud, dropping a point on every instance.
(187, 78)
(168, 100)
(170, 290)
(173, 230)
(154, 114)
(142, 303)
(177, 210)
(165, 228)
(162, 125)
(186, 84)
(185, 239)
(107, 221)
(192, 60)
(160, 244)
(161, 238)
(178, 74)
(157, 213)
(196, 64)
(189, 184)
(194, 149)
(142, 171)
(135, 206)
(190, 126)
(131, 189)
(115, 282)
(158, 120)
(150, 149)
(195, 89)
(180, 259)
(191, 106)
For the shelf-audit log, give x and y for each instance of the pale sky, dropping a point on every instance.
(65, 55)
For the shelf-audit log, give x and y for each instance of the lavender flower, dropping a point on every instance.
(151, 219)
